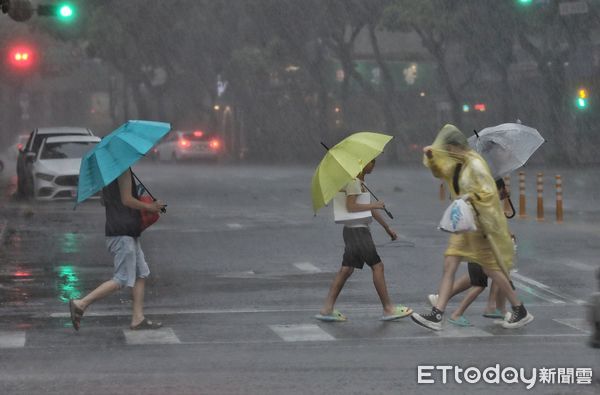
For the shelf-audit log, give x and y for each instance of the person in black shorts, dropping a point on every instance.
(360, 249)
(476, 281)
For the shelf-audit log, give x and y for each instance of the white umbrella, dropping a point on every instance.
(506, 147)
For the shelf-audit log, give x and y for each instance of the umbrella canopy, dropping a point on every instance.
(343, 162)
(506, 147)
(116, 153)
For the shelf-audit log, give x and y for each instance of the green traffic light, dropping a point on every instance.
(582, 103)
(65, 11)
(524, 2)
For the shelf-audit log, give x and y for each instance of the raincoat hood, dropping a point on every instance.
(449, 148)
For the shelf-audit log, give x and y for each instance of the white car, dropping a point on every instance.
(178, 145)
(56, 166)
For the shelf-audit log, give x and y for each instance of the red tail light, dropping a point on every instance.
(215, 144)
(184, 143)
(198, 133)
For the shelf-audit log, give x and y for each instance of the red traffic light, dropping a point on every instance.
(21, 57)
(479, 107)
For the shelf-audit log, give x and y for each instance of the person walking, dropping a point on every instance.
(475, 280)
(360, 249)
(122, 230)
(491, 245)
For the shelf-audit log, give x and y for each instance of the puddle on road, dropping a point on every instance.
(26, 278)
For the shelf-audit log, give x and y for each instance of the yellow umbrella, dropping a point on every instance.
(343, 162)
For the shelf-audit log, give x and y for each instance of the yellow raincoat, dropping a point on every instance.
(449, 149)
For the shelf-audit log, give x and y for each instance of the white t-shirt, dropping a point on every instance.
(355, 187)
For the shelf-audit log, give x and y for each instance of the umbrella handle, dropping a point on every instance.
(375, 197)
(512, 208)
(162, 210)
(388, 213)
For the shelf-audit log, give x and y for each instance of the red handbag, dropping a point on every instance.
(148, 217)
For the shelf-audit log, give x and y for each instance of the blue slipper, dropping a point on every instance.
(494, 314)
(461, 321)
(335, 316)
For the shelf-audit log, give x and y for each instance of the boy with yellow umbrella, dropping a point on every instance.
(344, 167)
(491, 245)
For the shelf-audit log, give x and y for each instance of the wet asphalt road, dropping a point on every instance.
(239, 267)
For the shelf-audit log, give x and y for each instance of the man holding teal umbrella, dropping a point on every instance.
(107, 167)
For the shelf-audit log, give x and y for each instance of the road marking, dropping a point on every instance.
(309, 310)
(235, 226)
(546, 288)
(246, 274)
(580, 266)
(307, 267)
(469, 331)
(301, 333)
(12, 339)
(577, 323)
(153, 336)
(533, 292)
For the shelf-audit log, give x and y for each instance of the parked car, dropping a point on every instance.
(56, 166)
(27, 154)
(178, 145)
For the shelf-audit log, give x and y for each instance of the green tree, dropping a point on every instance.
(439, 26)
(561, 47)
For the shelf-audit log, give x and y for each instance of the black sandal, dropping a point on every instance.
(146, 324)
(76, 315)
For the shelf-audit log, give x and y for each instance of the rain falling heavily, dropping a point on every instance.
(299, 196)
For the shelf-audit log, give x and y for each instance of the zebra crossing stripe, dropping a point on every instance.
(577, 323)
(301, 333)
(468, 331)
(307, 267)
(151, 336)
(12, 339)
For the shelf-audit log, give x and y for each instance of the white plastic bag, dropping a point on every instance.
(458, 218)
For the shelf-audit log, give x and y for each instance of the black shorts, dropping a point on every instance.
(477, 275)
(359, 248)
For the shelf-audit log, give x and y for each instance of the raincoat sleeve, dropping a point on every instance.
(477, 182)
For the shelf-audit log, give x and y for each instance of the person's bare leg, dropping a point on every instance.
(461, 285)
(381, 287)
(504, 286)
(336, 287)
(496, 300)
(450, 265)
(102, 291)
(501, 301)
(471, 295)
(137, 308)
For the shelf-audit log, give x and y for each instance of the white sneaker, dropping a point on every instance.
(433, 299)
(433, 320)
(519, 318)
(502, 321)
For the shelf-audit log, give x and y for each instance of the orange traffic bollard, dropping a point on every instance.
(559, 200)
(540, 196)
(522, 208)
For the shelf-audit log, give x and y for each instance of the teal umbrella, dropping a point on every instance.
(116, 153)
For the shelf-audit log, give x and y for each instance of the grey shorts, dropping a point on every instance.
(128, 259)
